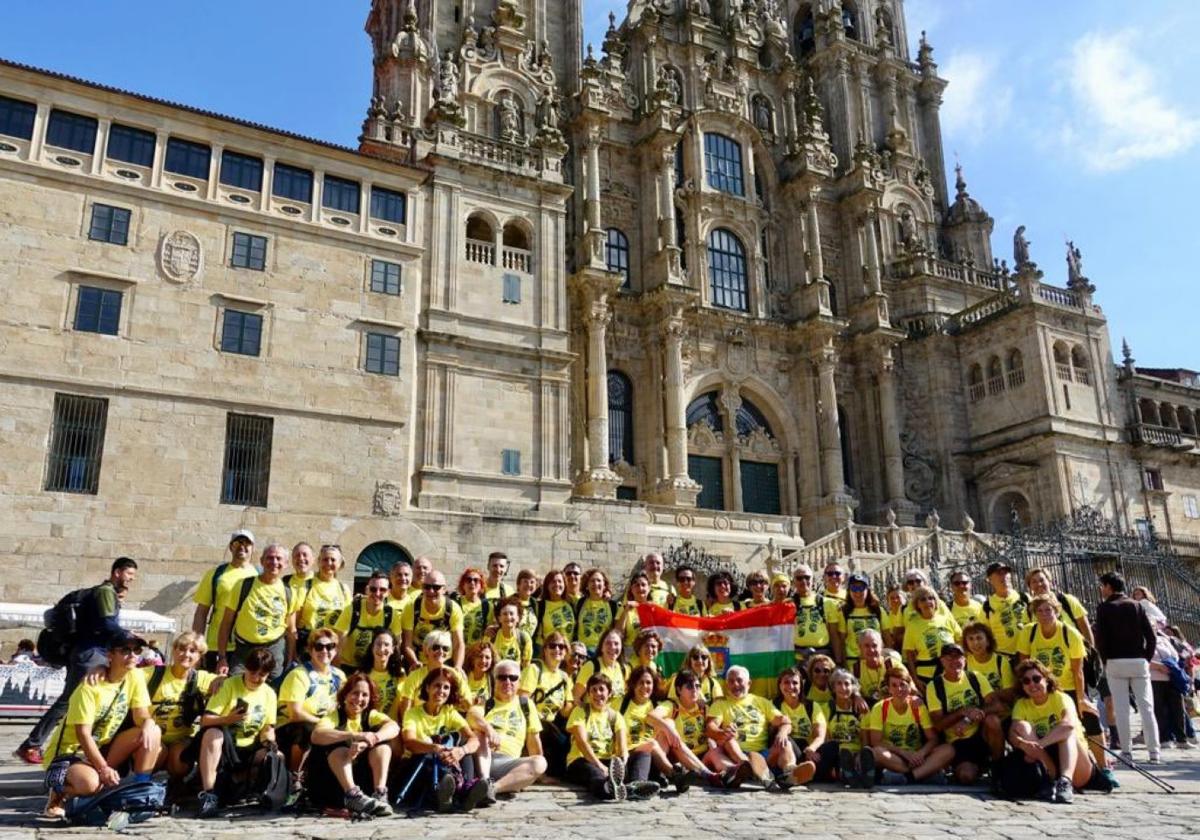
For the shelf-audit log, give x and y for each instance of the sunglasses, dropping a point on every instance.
(378, 589)
(433, 587)
(127, 651)
(439, 648)
(822, 671)
(858, 587)
(1032, 679)
(507, 677)
(556, 646)
(802, 577)
(758, 583)
(700, 657)
(326, 646)
(474, 579)
(833, 574)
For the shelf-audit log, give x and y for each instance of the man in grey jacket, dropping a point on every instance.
(1125, 641)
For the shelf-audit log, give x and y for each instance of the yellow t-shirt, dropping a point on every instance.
(870, 680)
(298, 684)
(263, 616)
(549, 690)
(636, 716)
(661, 592)
(1056, 708)
(388, 688)
(959, 695)
(300, 585)
(1071, 610)
(752, 715)
(261, 708)
(710, 688)
(1056, 653)
(905, 730)
(557, 617)
(633, 625)
(688, 606)
(204, 597)
(844, 726)
(104, 706)
(518, 647)
(529, 620)
(420, 623)
(375, 720)
(499, 592)
(323, 604)
(1006, 617)
(966, 614)
(893, 620)
(689, 724)
(166, 702)
(410, 689)
(475, 619)
(421, 726)
(513, 725)
(618, 672)
(398, 604)
(480, 689)
(997, 669)
(803, 719)
(815, 614)
(819, 695)
(356, 642)
(600, 730)
(592, 619)
(860, 619)
(717, 608)
(926, 636)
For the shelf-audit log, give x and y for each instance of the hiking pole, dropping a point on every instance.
(1132, 765)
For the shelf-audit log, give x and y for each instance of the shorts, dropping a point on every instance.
(502, 765)
(294, 735)
(56, 774)
(973, 750)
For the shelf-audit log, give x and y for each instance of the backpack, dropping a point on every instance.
(312, 682)
(191, 701)
(1022, 599)
(939, 688)
(538, 694)
(248, 584)
(141, 800)
(54, 643)
(272, 781)
(356, 615)
(1016, 778)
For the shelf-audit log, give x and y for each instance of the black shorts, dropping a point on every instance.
(974, 750)
(294, 735)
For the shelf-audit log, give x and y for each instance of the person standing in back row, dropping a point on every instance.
(1125, 641)
(214, 587)
(496, 589)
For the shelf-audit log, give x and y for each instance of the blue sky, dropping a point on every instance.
(1079, 119)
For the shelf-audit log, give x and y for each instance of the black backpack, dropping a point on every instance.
(939, 688)
(356, 615)
(1016, 778)
(272, 782)
(54, 643)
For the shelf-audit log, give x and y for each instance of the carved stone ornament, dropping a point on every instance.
(181, 257)
(389, 498)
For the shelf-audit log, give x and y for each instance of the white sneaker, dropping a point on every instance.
(1154, 758)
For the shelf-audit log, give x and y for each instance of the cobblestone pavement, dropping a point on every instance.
(1138, 809)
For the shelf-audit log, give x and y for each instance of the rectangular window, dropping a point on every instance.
(241, 333)
(71, 131)
(249, 251)
(388, 205)
(1152, 479)
(76, 444)
(512, 288)
(292, 183)
(340, 194)
(383, 354)
(385, 277)
(109, 224)
(627, 494)
(510, 461)
(187, 158)
(131, 145)
(98, 310)
(707, 473)
(723, 164)
(760, 488)
(241, 171)
(1190, 508)
(247, 471)
(16, 118)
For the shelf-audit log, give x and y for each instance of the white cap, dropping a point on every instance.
(242, 534)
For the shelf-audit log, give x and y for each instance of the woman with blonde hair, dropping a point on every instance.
(177, 695)
(699, 663)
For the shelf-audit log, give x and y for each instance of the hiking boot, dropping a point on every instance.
(29, 754)
(778, 784)
(475, 795)
(1047, 791)
(443, 794)
(1063, 791)
(382, 808)
(866, 768)
(802, 773)
(847, 768)
(637, 791)
(741, 774)
(210, 805)
(616, 775)
(681, 779)
(491, 798)
(359, 804)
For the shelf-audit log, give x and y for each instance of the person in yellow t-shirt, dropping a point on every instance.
(300, 580)
(548, 686)
(352, 749)
(1004, 609)
(386, 670)
(685, 601)
(740, 726)
(214, 588)
(573, 575)
(436, 655)
(808, 724)
(872, 665)
(401, 578)
(362, 618)
(510, 748)
(177, 693)
(326, 596)
(1070, 610)
(307, 694)
(893, 617)
(759, 587)
(599, 742)
(959, 701)
(434, 730)
(650, 735)
(860, 611)
(480, 659)
(510, 641)
(237, 725)
(527, 587)
(1046, 728)
(661, 592)
(719, 587)
(901, 735)
(476, 609)
(688, 714)
(495, 588)
(87, 746)
(628, 618)
(925, 634)
(595, 612)
(1058, 646)
(608, 663)
(699, 663)
(432, 611)
(557, 614)
(983, 659)
(816, 616)
(818, 686)
(259, 613)
(965, 609)
(646, 648)
(844, 752)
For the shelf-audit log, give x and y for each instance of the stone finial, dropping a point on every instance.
(968, 523)
(891, 518)
(1127, 359)
(960, 183)
(933, 521)
(925, 56)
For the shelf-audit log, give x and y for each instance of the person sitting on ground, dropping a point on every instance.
(650, 738)
(384, 664)
(599, 742)
(437, 739)
(237, 728)
(307, 694)
(556, 614)
(595, 611)
(699, 663)
(86, 751)
(872, 664)
(719, 587)
(608, 663)
(1047, 730)
(845, 756)
(740, 726)
(436, 653)
(687, 713)
(808, 724)
(352, 752)
(510, 641)
(958, 702)
(177, 695)
(479, 661)
(860, 611)
(924, 635)
(510, 757)
(361, 618)
(548, 685)
(433, 611)
(901, 736)
(1059, 647)
(476, 609)
(685, 600)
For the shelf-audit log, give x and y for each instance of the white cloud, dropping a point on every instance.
(976, 98)
(1120, 118)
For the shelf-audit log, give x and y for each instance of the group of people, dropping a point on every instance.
(409, 695)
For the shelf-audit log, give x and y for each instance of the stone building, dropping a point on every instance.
(708, 284)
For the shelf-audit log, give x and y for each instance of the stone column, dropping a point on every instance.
(871, 255)
(597, 320)
(832, 478)
(817, 265)
(677, 488)
(893, 456)
(666, 199)
(100, 147)
(594, 233)
(732, 400)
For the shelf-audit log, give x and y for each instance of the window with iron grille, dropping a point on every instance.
(109, 224)
(71, 131)
(760, 487)
(620, 417)
(616, 254)
(241, 333)
(706, 472)
(727, 277)
(241, 171)
(187, 158)
(247, 471)
(512, 289)
(98, 310)
(131, 145)
(16, 118)
(340, 194)
(388, 205)
(249, 251)
(510, 461)
(383, 354)
(385, 277)
(76, 444)
(723, 164)
(292, 182)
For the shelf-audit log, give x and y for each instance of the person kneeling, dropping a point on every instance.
(352, 747)
(598, 735)
(902, 736)
(507, 725)
(431, 728)
(1047, 730)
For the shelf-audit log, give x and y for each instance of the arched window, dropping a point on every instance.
(616, 254)
(806, 31)
(620, 417)
(995, 376)
(1149, 411)
(975, 383)
(518, 254)
(704, 409)
(1187, 421)
(1062, 361)
(850, 21)
(481, 240)
(377, 557)
(1010, 512)
(515, 236)
(711, 457)
(764, 114)
(706, 464)
(727, 276)
(1080, 365)
(1169, 419)
(1016, 368)
(723, 164)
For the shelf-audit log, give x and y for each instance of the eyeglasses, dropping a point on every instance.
(833, 574)
(507, 677)
(433, 587)
(326, 646)
(1031, 679)
(439, 648)
(556, 646)
(378, 589)
(128, 651)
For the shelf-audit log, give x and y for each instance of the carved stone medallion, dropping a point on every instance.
(181, 257)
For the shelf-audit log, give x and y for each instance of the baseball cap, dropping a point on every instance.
(858, 578)
(953, 648)
(997, 566)
(124, 638)
(242, 534)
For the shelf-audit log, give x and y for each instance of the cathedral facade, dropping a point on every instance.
(707, 282)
